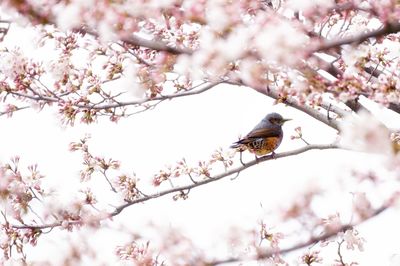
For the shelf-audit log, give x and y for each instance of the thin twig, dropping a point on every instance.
(340, 253)
(108, 181)
(227, 173)
(230, 172)
(311, 241)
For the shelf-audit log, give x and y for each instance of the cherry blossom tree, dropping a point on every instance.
(114, 59)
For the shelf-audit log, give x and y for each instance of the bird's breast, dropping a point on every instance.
(263, 146)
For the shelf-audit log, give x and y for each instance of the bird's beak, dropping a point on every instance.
(286, 119)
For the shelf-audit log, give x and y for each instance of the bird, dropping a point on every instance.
(265, 137)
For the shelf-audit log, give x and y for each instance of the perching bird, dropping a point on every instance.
(265, 137)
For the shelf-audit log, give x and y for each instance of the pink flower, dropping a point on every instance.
(332, 223)
(362, 205)
(311, 257)
(353, 240)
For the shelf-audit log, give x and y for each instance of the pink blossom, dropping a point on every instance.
(332, 223)
(311, 257)
(362, 205)
(353, 240)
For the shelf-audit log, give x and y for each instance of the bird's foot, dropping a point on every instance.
(241, 161)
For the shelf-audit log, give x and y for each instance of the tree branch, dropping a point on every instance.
(135, 40)
(227, 173)
(236, 170)
(311, 241)
(292, 102)
(157, 98)
(155, 45)
(9, 112)
(94, 106)
(390, 27)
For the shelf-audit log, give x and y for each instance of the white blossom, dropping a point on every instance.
(395, 260)
(279, 41)
(235, 45)
(365, 133)
(68, 16)
(12, 63)
(309, 6)
(129, 81)
(144, 8)
(332, 222)
(298, 82)
(217, 16)
(106, 32)
(351, 56)
(162, 3)
(361, 204)
(60, 67)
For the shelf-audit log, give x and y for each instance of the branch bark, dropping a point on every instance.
(230, 172)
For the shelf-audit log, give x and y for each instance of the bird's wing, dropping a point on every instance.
(264, 133)
(260, 133)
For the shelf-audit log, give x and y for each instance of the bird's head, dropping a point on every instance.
(276, 119)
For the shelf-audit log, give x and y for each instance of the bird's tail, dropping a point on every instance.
(235, 145)
(239, 144)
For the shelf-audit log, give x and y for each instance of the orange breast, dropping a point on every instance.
(268, 146)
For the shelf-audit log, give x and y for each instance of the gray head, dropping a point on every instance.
(275, 119)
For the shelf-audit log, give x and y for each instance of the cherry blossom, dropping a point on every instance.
(366, 133)
(334, 62)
